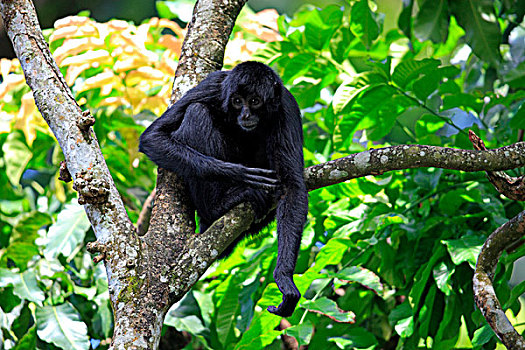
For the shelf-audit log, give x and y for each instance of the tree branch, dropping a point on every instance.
(505, 236)
(381, 160)
(79, 144)
(510, 187)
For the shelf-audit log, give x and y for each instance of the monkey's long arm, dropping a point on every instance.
(292, 209)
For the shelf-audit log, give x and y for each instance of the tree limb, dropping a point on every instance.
(510, 187)
(505, 236)
(79, 144)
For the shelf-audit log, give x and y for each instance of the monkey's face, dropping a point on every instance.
(247, 109)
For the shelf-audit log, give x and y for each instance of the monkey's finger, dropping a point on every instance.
(262, 172)
(263, 179)
(261, 185)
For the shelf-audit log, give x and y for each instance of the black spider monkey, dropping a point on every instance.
(237, 137)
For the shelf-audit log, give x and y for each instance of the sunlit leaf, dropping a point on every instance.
(61, 325)
(261, 332)
(481, 26)
(302, 332)
(432, 21)
(363, 24)
(67, 232)
(24, 284)
(355, 338)
(483, 335)
(16, 157)
(464, 249)
(362, 276)
(409, 70)
(329, 308)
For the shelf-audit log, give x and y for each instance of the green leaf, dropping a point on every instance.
(329, 308)
(331, 15)
(20, 253)
(181, 9)
(67, 232)
(25, 284)
(408, 71)
(405, 327)
(480, 22)
(28, 225)
(432, 21)
(518, 121)
(227, 309)
(61, 325)
(465, 249)
(340, 43)
(191, 324)
(302, 332)
(317, 37)
(103, 320)
(427, 84)
(428, 124)
(331, 253)
(297, 66)
(28, 341)
(449, 326)
(362, 276)
(356, 338)
(344, 94)
(261, 332)
(362, 23)
(426, 312)
(442, 274)
(482, 336)
(515, 293)
(405, 18)
(516, 77)
(402, 319)
(16, 156)
(423, 274)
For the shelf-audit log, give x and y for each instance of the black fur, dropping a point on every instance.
(237, 137)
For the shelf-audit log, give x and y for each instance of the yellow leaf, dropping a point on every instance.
(143, 73)
(10, 82)
(172, 43)
(73, 72)
(72, 21)
(114, 101)
(5, 67)
(97, 56)
(6, 120)
(168, 63)
(106, 81)
(73, 32)
(72, 47)
(135, 96)
(125, 63)
(263, 25)
(27, 118)
(166, 23)
(155, 104)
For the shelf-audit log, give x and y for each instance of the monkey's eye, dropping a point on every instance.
(255, 101)
(237, 102)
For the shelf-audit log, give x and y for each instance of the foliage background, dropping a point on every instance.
(386, 262)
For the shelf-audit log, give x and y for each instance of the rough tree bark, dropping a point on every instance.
(148, 273)
(504, 237)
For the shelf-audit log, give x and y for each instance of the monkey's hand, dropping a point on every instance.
(256, 177)
(287, 306)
